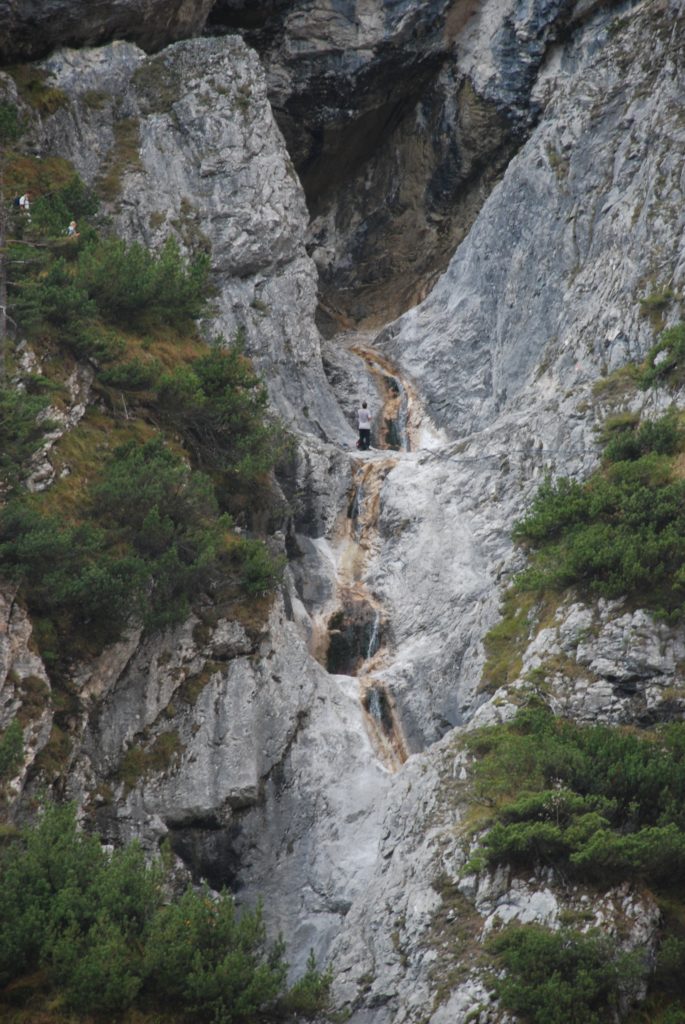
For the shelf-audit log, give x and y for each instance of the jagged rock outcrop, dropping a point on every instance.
(30, 29)
(220, 740)
(400, 118)
(188, 145)
(24, 687)
(603, 166)
(411, 950)
(605, 664)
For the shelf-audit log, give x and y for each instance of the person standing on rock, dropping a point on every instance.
(364, 421)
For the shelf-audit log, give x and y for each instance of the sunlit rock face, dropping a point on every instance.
(32, 28)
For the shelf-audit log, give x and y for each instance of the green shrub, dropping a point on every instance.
(134, 375)
(666, 359)
(98, 970)
(67, 572)
(52, 298)
(10, 128)
(219, 405)
(670, 964)
(259, 570)
(133, 287)
(21, 431)
(622, 533)
(661, 437)
(52, 212)
(96, 923)
(202, 956)
(563, 977)
(674, 1015)
(602, 804)
(125, 285)
(95, 341)
(11, 749)
(153, 539)
(654, 853)
(144, 537)
(310, 995)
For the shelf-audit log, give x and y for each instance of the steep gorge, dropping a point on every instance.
(291, 778)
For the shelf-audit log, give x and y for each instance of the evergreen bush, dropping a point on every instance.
(143, 533)
(219, 405)
(666, 360)
(602, 804)
(22, 428)
(622, 533)
(563, 977)
(132, 287)
(97, 923)
(11, 749)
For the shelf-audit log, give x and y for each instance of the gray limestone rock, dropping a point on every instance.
(400, 117)
(266, 771)
(527, 311)
(24, 689)
(191, 149)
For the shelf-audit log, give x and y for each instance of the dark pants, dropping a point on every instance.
(364, 438)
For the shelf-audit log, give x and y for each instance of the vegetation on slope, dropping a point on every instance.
(91, 934)
(600, 806)
(174, 444)
(619, 534)
(131, 523)
(599, 803)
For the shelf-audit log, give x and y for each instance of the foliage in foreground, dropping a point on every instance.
(97, 928)
(622, 532)
(563, 977)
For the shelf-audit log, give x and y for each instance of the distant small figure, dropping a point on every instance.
(364, 421)
(71, 230)
(24, 203)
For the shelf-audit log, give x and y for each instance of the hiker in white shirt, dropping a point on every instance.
(364, 421)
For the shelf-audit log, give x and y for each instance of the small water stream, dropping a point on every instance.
(359, 633)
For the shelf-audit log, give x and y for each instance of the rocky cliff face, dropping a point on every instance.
(187, 142)
(314, 757)
(400, 118)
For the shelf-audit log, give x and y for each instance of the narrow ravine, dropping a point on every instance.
(353, 633)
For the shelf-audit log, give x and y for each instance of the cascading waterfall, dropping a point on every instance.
(403, 419)
(374, 704)
(356, 628)
(375, 638)
(354, 509)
